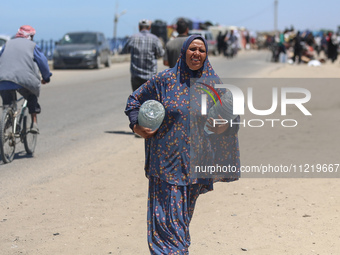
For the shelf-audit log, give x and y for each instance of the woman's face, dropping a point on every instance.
(196, 54)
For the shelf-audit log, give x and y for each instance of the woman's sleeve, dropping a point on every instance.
(232, 129)
(147, 91)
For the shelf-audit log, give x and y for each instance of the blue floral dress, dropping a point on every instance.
(172, 189)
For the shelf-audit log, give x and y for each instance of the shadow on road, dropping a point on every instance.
(18, 155)
(119, 132)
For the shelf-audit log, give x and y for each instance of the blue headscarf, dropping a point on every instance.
(181, 69)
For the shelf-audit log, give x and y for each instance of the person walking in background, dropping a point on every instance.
(282, 48)
(297, 47)
(231, 44)
(173, 191)
(220, 42)
(324, 44)
(224, 44)
(145, 48)
(332, 47)
(21, 59)
(317, 45)
(174, 46)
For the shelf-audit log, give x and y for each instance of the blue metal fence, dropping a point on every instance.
(118, 44)
(47, 48)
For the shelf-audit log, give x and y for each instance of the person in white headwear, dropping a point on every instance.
(23, 67)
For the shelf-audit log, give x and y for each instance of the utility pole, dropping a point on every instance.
(115, 21)
(276, 2)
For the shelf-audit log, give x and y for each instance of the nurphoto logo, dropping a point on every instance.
(234, 100)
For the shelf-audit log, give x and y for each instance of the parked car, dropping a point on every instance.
(82, 50)
(212, 43)
(3, 40)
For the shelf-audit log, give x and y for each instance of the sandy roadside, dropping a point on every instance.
(100, 206)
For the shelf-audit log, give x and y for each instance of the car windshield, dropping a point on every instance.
(79, 38)
(2, 42)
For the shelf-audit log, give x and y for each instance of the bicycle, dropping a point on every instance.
(15, 127)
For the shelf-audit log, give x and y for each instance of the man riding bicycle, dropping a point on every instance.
(21, 59)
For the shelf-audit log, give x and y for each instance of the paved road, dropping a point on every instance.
(82, 114)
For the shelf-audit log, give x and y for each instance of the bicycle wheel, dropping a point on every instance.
(7, 138)
(30, 139)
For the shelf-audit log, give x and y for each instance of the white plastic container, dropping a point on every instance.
(151, 114)
(225, 110)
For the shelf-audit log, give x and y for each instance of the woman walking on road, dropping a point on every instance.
(172, 190)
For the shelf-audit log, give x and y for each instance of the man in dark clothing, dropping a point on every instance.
(297, 47)
(173, 47)
(220, 42)
(332, 48)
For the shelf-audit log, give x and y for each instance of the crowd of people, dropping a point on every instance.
(303, 46)
(289, 46)
(233, 40)
(228, 43)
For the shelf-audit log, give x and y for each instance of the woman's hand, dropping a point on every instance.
(143, 131)
(218, 128)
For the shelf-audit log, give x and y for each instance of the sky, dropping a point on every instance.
(52, 19)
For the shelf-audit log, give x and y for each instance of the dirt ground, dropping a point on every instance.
(99, 207)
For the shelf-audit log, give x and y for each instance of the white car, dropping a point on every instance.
(3, 40)
(212, 43)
